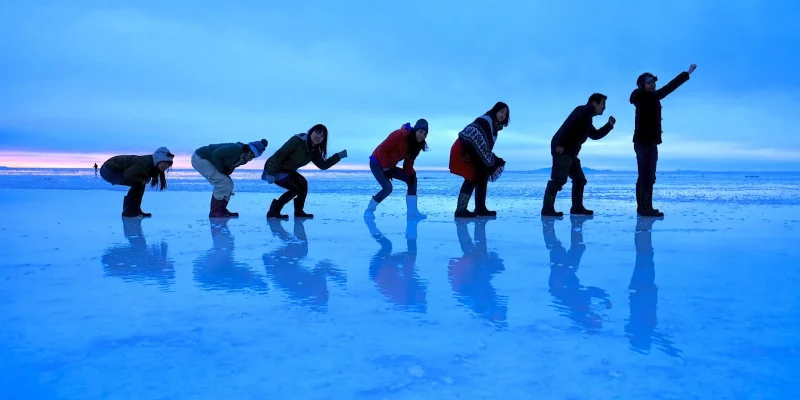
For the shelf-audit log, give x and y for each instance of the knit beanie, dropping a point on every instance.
(162, 154)
(421, 124)
(258, 146)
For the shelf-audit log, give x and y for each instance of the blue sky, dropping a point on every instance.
(128, 77)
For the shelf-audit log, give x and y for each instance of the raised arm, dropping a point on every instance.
(670, 87)
(323, 163)
(597, 134)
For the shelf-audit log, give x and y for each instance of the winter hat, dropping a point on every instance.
(258, 147)
(162, 154)
(421, 124)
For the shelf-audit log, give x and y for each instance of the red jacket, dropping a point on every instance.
(394, 149)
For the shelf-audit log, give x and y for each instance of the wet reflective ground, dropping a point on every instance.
(701, 304)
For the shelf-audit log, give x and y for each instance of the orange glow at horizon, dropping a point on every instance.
(29, 159)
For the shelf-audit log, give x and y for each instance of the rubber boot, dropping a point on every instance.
(230, 213)
(298, 209)
(480, 202)
(275, 211)
(461, 206)
(577, 201)
(129, 207)
(413, 212)
(549, 201)
(139, 196)
(217, 209)
(648, 197)
(640, 208)
(370, 211)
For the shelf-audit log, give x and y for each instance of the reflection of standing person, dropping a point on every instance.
(95, 168)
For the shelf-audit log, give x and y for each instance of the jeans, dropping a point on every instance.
(296, 188)
(384, 179)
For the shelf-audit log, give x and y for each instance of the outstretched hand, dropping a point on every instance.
(612, 120)
(692, 68)
(343, 154)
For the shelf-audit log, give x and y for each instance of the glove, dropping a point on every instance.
(267, 177)
(342, 154)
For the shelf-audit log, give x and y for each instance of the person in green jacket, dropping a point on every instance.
(216, 163)
(135, 172)
(281, 168)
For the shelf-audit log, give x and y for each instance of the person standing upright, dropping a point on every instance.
(565, 147)
(647, 134)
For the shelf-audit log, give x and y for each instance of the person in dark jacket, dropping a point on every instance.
(135, 172)
(472, 157)
(565, 147)
(403, 144)
(216, 162)
(281, 168)
(647, 134)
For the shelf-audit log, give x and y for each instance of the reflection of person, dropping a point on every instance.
(641, 327)
(217, 269)
(395, 274)
(570, 297)
(470, 275)
(284, 267)
(137, 261)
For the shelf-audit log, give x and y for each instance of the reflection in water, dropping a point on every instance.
(395, 274)
(470, 275)
(571, 299)
(137, 261)
(641, 326)
(283, 266)
(218, 270)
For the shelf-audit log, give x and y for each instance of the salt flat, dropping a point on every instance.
(701, 304)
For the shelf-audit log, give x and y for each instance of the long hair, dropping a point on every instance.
(159, 177)
(322, 147)
(415, 147)
(497, 107)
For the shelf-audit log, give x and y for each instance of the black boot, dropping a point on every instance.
(129, 206)
(139, 197)
(480, 202)
(299, 204)
(640, 208)
(549, 203)
(275, 210)
(577, 201)
(648, 193)
(230, 213)
(461, 206)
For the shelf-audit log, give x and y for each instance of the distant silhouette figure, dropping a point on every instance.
(470, 275)
(283, 266)
(395, 275)
(95, 168)
(572, 299)
(643, 321)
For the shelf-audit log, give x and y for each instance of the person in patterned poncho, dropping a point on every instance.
(472, 158)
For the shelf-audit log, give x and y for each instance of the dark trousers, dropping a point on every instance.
(384, 179)
(131, 205)
(646, 161)
(296, 188)
(565, 166)
(480, 186)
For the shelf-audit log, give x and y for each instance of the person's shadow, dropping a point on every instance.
(217, 269)
(641, 329)
(137, 261)
(395, 274)
(470, 275)
(283, 266)
(570, 298)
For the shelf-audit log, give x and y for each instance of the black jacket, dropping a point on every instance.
(648, 110)
(576, 129)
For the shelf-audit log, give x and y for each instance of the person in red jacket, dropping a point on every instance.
(403, 144)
